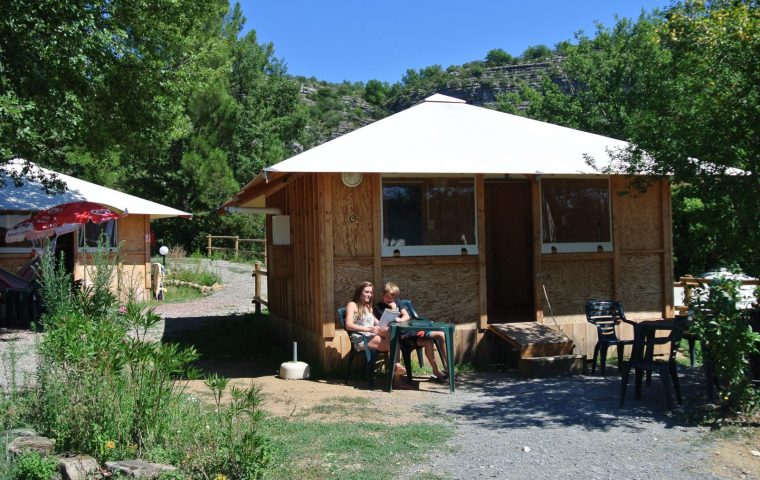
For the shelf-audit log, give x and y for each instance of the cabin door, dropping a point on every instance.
(509, 251)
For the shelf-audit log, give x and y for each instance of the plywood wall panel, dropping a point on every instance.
(348, 274)
(131, 231)
(442, 292)
(639, 220)
(569, 284)
(353, 231)
(641, 288)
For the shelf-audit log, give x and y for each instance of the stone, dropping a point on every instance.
(42, 445)
(138, 468)
(79, 467)
(17, 432)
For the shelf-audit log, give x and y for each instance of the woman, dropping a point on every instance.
(361, 323)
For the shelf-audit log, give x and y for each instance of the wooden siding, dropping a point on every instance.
(335, 244)
(638, 272)
(441, 288)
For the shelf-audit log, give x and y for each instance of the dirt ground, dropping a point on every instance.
(313, 399)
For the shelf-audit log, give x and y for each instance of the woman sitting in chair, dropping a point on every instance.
(361, 322)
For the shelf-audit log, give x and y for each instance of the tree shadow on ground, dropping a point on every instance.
(593, 402)
(240, 346)
(233, 346)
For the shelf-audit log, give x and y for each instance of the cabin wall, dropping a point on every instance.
(132, 276)
(133, 273)
(638, 273)
(335, 244)
(299, 277)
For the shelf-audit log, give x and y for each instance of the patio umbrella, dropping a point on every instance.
(61, 219)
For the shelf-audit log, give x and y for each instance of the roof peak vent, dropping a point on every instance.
(438, 98)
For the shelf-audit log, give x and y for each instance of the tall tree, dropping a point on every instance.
(681, 85)
(80, 82)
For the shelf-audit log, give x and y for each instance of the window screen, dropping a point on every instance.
(575, 210)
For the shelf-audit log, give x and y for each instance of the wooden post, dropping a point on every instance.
(257, 287)
(209, 245)
(237, 246)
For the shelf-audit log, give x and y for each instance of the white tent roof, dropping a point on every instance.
(445, 135)
(32, 197)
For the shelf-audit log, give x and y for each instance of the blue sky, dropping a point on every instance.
(360, 40)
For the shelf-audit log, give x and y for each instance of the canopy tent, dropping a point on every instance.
(445, 135)
(31, 196)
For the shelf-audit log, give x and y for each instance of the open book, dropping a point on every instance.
(388, 317)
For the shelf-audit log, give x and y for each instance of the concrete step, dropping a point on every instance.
(555, 366)
(533, 339)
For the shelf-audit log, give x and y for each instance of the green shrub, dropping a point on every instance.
(33, 466)
(194, 271)
(106, 389)
(728, 341)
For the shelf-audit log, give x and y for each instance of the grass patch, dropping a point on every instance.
(351, 450)
(337, 406)
(176, 294)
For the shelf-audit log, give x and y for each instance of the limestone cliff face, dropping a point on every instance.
(481, 86)
(337, 109)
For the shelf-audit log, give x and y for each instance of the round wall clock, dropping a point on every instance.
(351, 179)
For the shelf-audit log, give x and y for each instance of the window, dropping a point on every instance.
(89, 235)
(6, 223)
(575, 215)
(428, 216)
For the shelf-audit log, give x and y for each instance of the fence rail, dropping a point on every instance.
(260, 294)
(210, 248)
(686, 283)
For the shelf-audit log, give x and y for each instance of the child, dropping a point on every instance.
(361, 322)
(419, 339)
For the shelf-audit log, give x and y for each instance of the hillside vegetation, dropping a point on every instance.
(177, 106)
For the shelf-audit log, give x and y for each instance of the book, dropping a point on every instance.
(388, 317)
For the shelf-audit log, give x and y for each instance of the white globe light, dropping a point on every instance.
(163, 250)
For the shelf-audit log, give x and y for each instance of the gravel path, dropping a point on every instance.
(233, 299)
(566, 427)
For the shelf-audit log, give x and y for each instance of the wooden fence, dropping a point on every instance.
(687, 283)
(260, 295)
(235, 249)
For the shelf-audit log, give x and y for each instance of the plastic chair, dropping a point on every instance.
(408, 347)
(606, 314)
(371, 355)
(644, 362)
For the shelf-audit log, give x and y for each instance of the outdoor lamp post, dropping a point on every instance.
(163, 251)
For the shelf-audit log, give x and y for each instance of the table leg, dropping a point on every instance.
(393, 352)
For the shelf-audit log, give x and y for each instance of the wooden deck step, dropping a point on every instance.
(533, 339)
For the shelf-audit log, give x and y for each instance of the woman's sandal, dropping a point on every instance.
(442, 379)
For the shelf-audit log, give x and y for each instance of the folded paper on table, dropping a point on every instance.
(388, 317)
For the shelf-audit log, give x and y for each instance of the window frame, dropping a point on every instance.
(388, 251)
(114, 247)
(577, 247)
(11, 250)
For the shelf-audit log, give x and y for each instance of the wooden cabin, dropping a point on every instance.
(482, 218)
(131, 232)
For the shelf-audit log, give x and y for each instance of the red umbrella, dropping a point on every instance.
(60, 219)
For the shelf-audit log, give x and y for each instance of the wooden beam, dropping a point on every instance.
(480, 200)
(377, 196)
(615, 187)
(667, 244)
(327, 277)
(538, 276)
